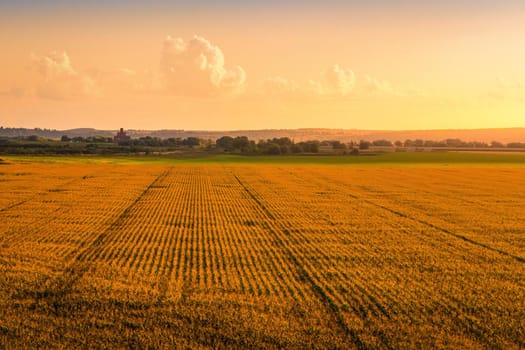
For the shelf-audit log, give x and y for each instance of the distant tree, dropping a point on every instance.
(496, 144)
(241, 143)
(310, 146)
(364, 144)
(419, 143)
(97, 139)
(147, 141)
(516, 145)
(338, 145)
(191, 141)
(382, 143)
(282, 141)
(478, 144)
(284, 149)
(439, 144)
(226, 143)
(65, 138)
(273, 149)
(129, 143)
(398, 143)
(296, 148)
(34, 138)
(454, 143)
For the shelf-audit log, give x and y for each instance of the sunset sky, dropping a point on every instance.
(231, 64)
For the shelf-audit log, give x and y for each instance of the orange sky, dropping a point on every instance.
(248, 68)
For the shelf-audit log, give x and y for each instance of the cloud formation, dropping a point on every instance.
(279, 86)
(197, 68)
(333, 82)
(58, 79)
(338, 80)
(377, 86)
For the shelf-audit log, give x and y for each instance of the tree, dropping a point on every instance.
(241, 143)
(34, 138)
(65, 138)
(310, 146)
(364, 144)
(382, 143)
(419, 143)
(454, 143)
(296, 148)
(191, 141)
(226, 143)
(284, 149)
(516, 145)
(273, 149)
(338, 145)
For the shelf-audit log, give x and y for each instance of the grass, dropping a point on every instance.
(390, 159)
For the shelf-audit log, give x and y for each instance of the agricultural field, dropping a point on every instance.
(167, 254)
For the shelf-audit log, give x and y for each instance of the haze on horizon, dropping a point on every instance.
(230, 64)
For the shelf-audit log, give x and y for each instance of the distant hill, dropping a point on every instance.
(504, 135)
(54, 134)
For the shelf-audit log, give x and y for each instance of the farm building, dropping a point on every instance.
(121, 136)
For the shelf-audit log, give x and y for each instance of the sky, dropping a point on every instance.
(231, 64)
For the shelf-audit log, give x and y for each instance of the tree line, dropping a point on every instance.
(34, 144)
(448, 143)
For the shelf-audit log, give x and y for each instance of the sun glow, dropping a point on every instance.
(275, 66)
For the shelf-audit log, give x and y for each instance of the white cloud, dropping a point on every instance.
(58, 79)
(197, 68)
(377, 86)
(279, 86)
(338, 80)
(334, 82)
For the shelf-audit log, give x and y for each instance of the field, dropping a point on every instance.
(405, 253)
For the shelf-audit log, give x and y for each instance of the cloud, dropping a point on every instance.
(279, 86)
(334, 82)
(196, 68)
(58, 79)
(188, 68)
(377, 86)
(338, 81)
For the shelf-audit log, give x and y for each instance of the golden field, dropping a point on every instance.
(261, 256)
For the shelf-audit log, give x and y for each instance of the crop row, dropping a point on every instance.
(391, 257)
